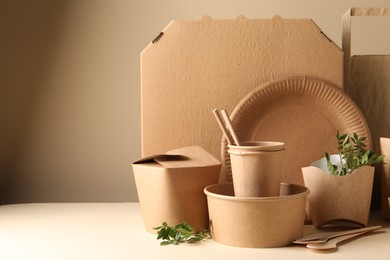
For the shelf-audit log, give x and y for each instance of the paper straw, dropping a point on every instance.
(230, 126)
(222, 126)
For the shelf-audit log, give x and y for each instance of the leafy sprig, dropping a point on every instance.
(353, 154)
(181, 233)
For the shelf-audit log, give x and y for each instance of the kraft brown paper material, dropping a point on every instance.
(302, 112)
(256, 222)
(256, 173)
(170, 187)
(196, 66)
(333, 198)
(367, 78)
(385, 176)
(367, 82)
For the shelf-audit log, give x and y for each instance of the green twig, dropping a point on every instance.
(181, 233)
(353, 154)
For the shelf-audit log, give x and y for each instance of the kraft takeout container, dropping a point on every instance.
(256, 222)
(338, 199)
(170, 186)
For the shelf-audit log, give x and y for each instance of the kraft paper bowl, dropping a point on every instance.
(256, 222)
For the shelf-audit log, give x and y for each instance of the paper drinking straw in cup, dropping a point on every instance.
(257, 168)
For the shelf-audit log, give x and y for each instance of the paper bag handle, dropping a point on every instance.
(346, 36)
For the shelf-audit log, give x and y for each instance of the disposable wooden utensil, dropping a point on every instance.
(332, 243)
(230, 126)
(323, 237)
(222, 126)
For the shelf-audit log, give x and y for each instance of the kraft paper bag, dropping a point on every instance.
(367, 82)
(385, 176)
(367, 78)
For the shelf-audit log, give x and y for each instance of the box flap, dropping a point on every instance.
(160, 158)
(197, 157)
(193, 156)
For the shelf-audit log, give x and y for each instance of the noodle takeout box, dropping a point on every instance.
(170, 187)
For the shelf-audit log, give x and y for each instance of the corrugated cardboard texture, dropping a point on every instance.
(195, 66)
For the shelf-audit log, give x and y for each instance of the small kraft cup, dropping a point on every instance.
(257, 168)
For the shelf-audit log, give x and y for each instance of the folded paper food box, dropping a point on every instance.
(170, 186)
(196, 66)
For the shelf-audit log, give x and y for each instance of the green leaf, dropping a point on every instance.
(166, 233)
(172, 233)
(347, 146)
(361, 144)
(365, 157)
(165, 243)
(160, 234)
(177, 236)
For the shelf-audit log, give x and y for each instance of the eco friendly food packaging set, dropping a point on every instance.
(283, 81)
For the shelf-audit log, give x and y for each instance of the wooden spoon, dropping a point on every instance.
(322, 237)
(332, 243)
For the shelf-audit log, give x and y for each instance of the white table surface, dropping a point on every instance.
(115, 231)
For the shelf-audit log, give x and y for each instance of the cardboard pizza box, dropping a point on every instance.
(193, 67)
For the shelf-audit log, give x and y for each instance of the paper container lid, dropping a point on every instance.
(287, 192)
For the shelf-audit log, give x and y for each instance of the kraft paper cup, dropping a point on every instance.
(256, 222)
(257, 168)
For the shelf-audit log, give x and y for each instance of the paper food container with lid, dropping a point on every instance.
(170, 186)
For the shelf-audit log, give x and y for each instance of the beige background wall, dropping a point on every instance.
(69, 82)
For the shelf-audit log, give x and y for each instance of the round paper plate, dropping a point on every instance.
(302, 112)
